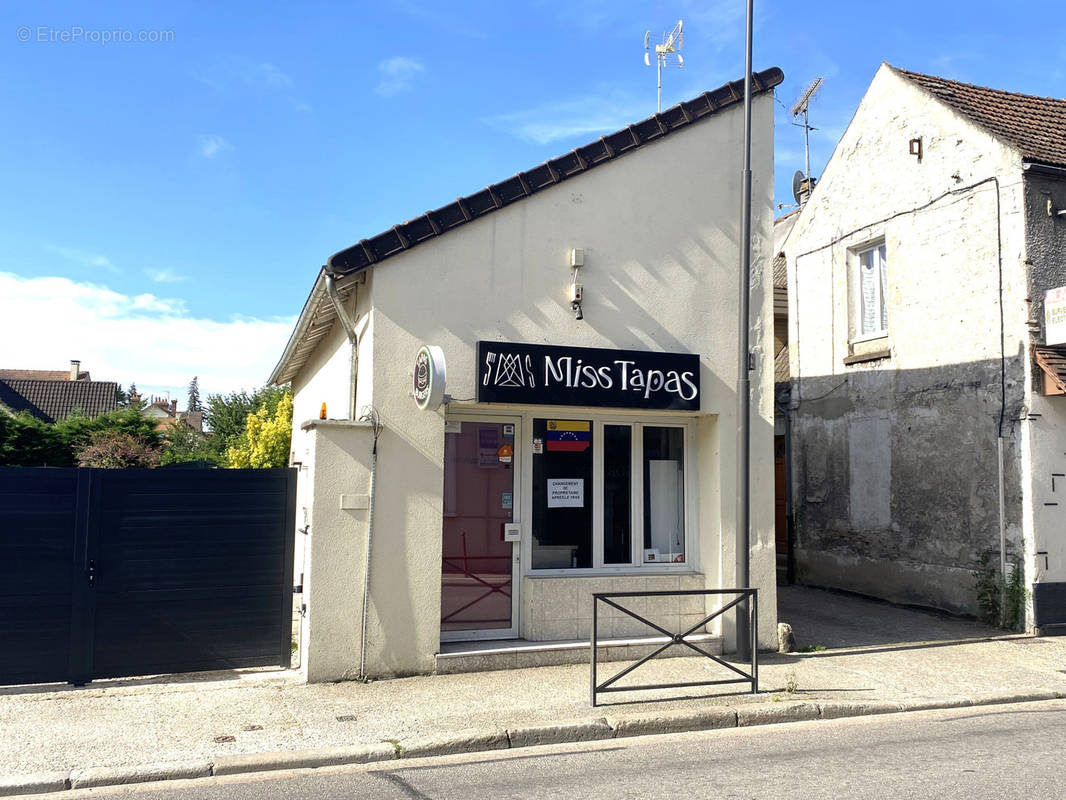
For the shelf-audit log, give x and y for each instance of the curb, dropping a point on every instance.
(714, 718)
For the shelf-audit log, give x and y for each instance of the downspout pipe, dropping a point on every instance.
(350, 332)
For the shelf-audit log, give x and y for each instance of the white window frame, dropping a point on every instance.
(878, 252)
(636, 565)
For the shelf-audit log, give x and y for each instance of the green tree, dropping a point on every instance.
(28, 442)
(266, 439)
(182, 444)
(226, 415)
(194, 403)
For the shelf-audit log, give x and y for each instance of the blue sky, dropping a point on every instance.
(168, 201)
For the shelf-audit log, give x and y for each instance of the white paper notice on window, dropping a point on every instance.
(566, 492)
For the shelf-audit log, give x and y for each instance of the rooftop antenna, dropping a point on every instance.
(671, 45)
(800, 107)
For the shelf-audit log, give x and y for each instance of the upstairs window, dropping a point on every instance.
(871, 285)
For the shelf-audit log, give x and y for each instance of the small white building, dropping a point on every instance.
(584, 314)
(922, 434)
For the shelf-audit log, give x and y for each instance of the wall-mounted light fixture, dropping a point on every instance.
(574, 295)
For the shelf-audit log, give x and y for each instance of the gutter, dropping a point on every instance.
(303, 322)
(351, 329)
(1044, 169)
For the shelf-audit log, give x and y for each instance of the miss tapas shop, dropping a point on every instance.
(575, 463)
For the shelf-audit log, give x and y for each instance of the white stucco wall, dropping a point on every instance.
(895, 463)
(659, 231)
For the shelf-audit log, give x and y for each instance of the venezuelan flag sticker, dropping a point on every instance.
(568, 435)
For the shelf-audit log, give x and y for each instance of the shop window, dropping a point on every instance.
(562, 494)
(635, 472)
(617, 494)
(664, 494)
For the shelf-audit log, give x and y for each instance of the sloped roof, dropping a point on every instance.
(317, 316)
(1036, 126)
(781, 366)
(40, 375)
(52, 400)
(581, 159)
(780, 272)
(1052, 360)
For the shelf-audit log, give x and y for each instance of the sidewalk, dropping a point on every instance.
(876, 658)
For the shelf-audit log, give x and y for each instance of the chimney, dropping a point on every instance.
(174, 407)
(75, 368)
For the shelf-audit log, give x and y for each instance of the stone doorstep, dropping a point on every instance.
(518, 654)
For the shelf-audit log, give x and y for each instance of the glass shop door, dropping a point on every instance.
(479, 568)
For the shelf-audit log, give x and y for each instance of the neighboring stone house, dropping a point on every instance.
(53, 395)
(922, 435)
(587, 313)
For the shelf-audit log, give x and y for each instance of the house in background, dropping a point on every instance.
(924, 431)
(165, 413)
(53, 395)
(552, 361)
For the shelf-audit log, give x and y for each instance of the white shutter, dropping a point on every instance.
(883, 287)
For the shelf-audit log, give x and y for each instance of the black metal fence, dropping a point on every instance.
(673, 638)
(112, 573)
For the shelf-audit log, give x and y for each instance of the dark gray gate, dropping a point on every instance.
(112, 573)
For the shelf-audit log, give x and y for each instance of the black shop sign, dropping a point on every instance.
(586, 376)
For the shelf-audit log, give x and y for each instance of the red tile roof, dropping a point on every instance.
(1036, 126)
(40, 375)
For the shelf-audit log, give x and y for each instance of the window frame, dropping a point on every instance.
(637, 424)
(855, 267)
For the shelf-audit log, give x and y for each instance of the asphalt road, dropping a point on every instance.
(1003, 752)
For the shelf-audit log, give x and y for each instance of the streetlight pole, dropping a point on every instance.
(743, 544)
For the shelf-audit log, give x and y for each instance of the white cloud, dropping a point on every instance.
(235, 71)
(150, 340)
(164, 275)
(579, 116)
(397, 75)
(83, 258)
(267, 74)
(210, 145)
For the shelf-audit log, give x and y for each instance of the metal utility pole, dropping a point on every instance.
(743, 366)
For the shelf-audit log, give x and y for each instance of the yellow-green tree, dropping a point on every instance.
(266, 438)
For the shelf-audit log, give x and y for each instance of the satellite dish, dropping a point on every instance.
(802, 186)
(797, 185)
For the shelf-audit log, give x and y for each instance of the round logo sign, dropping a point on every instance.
(429, 377)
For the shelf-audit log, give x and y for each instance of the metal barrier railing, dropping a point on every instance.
(751, 677)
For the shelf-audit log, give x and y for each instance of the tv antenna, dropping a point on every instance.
(800, 107)
(671, 45)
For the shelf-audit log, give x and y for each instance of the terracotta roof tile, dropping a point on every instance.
(40, 375)
(1052, 360)
(1036, 126)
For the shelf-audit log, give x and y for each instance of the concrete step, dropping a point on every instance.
(458, 657)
